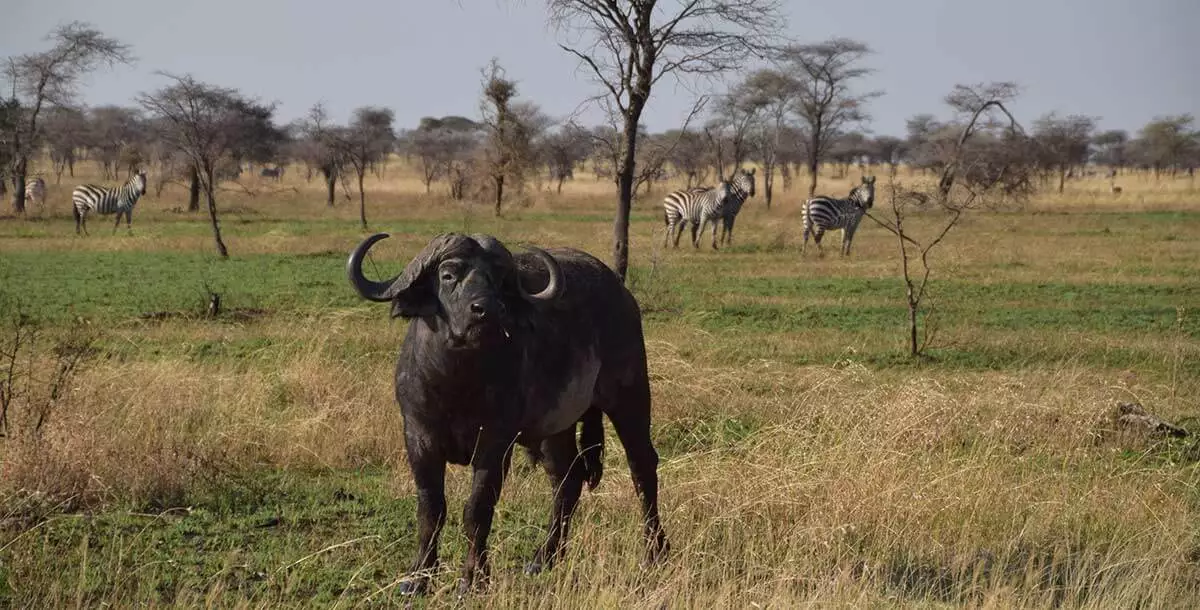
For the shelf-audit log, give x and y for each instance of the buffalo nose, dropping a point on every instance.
(478, 309)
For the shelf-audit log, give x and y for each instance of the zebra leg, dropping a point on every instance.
(679, 231)
(667, 234)
(807, 231)
(696, 231)
(118, 223)
(818, 233)
(716, 225)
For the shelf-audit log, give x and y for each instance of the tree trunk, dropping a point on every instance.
(330, 186)
(913, 348)
(625, 190)
(499, 180)
(1062, 179)
(768, 181)
(212, 213)
(194, 191)
(560, 182)
(19, 185)
(362, 200)
(814, 162)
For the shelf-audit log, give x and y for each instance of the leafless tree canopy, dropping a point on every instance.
(826, 98)
(629, 46)
(207, 124)
(51, 78)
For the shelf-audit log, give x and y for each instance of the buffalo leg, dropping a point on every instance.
(429, 474)
(489, 465)
(565, 467)
(631, 420)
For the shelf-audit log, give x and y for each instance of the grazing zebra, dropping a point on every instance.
(271, 172)
(105, 200)
(823, 214)
(741, 187)
(35, 190)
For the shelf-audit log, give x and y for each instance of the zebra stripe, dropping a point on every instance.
(105, 200)
(823, 214)
(702, 205)
(35, 190)
(688, 207)
(741, 188)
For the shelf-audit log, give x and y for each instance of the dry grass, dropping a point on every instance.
(844, 482)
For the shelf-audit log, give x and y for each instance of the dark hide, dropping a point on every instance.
(486, 366)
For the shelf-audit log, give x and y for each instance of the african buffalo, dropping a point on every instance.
(505, 350)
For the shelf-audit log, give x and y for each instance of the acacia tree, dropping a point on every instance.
(51, 78)
(1167, 143)
(65, 131)
(772, 93)
(826, 100)
(1064, 142)
(564, 149)
(318, 147)
(628, 47)
(1112, 148)
(368, 140)
(206, 123)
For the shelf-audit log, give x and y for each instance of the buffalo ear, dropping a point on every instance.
(412, 294)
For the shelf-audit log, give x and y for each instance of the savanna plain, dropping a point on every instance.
(155, 456)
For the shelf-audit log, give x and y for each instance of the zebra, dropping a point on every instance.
(823, 214)
(105, 200)
(741, 187)
(688, 206)
(699, 206)
(268, 172)
(35, 190)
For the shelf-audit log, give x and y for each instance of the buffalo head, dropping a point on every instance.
(468, 282)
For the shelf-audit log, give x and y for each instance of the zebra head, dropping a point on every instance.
(743, 180)
(864, 194)
(138, 181)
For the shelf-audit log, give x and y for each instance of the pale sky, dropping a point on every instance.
(1124, 61)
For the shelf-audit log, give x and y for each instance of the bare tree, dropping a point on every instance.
(826, 99)
(1064, 143)
(319, 150)
(890, 150)
(997, 172)
(65, 131)
(629, 47)
(51, 78)
(564, 150)
(688, 155)
(367, 141)
(1112, 148)
(774, 93)
(207, 123)
(111, 129)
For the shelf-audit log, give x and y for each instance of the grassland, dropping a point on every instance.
(256, 459)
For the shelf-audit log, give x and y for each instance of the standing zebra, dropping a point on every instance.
(823, 214)
(740, 188)
(702, 205)
(687, 207)
(104, 200)
(35, 190)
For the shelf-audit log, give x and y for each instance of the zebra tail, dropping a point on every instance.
(75, 212)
